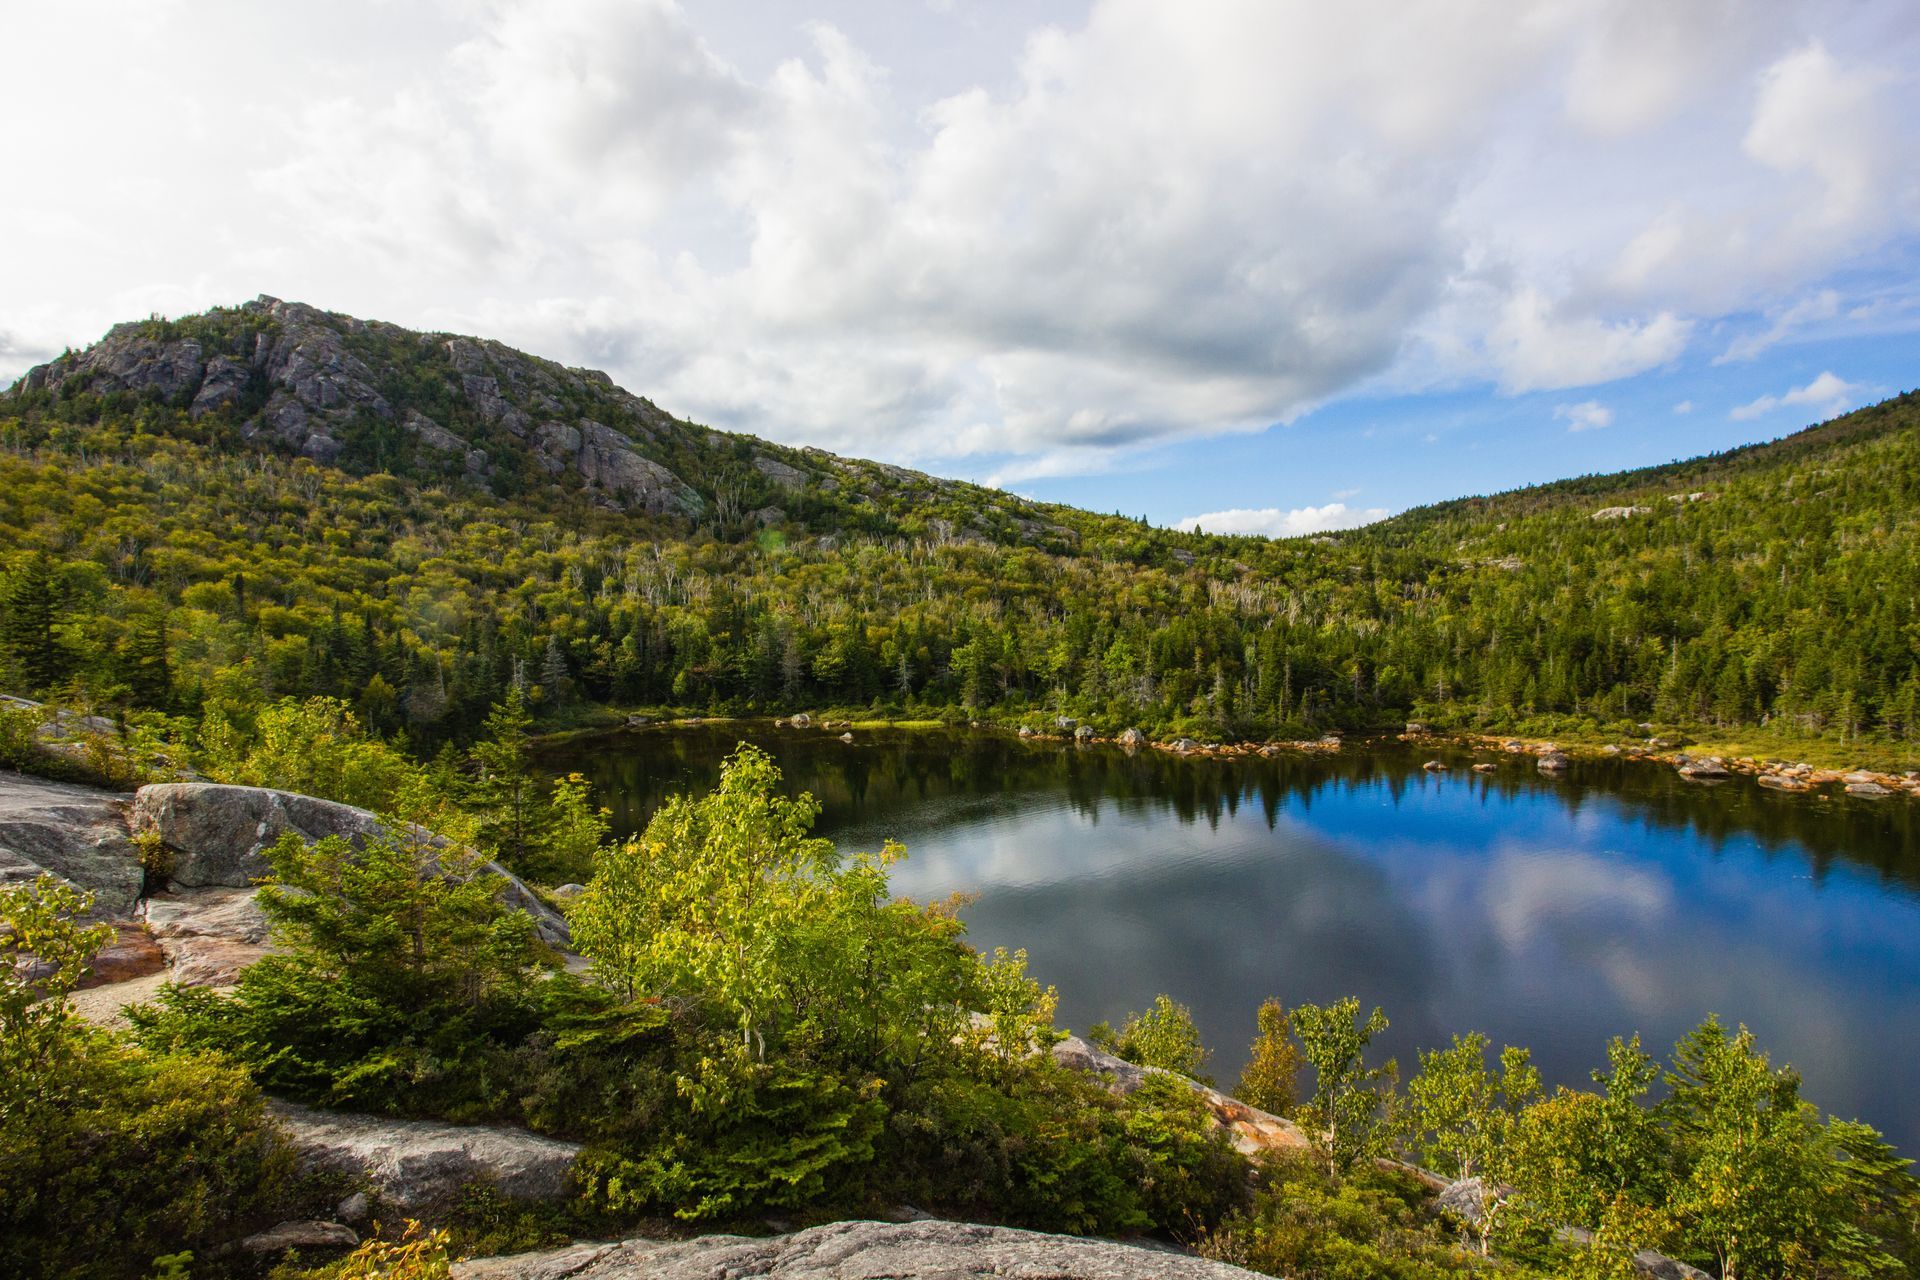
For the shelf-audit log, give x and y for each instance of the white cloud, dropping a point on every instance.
(1684, 407)
(1824, 305)
(1826, 395)
(1273, 522)
(1536, 348)
(1588, 415)
(1130, 224)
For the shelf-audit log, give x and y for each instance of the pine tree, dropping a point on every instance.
(504, 791)
(29, 610)
(144, 664)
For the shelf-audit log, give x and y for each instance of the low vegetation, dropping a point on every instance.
(765, 1029)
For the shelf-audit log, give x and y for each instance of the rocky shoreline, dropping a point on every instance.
(1784, 776)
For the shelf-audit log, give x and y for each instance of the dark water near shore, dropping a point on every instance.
(1547, 913)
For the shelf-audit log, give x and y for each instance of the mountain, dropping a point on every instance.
(434, 408)
(271, 500)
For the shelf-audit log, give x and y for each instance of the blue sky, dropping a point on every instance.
(1371, 453)
(1283, 264)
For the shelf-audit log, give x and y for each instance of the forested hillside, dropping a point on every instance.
(211, 513)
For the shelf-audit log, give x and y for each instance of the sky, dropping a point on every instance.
(1273, 266)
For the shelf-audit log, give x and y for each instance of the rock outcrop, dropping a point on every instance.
(858, 1251)
(217, 834)
(1253, 1131)
(301, 1235)
(77, 833)
(414, 1164)
(207, 935)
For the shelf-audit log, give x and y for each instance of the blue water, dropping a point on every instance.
(1547, 913)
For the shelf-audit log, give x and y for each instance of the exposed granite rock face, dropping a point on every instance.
(222, 384)
(435, 436)
(134, 953)
(858, 1251)
(126, 360)
(208, 935)
(611, 466)
(77, 833)
(780, 473)
(417, 1163)
(217, 834)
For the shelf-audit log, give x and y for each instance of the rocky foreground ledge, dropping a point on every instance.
(857, 1251)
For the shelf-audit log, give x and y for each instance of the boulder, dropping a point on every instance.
(1868, 790)
(800, 721)
(414, 1164)
(1025, 732)
(1132, 738)
(1435, 766)
(1465, 1200)
(1704, 769)
(846, 737)
(1486, 766)
(301, 1235)
(857, 1251)
(1184, 744)
(1783, 782)
(1553, 762)
(1415, 727)
(77, 833)
(218, 833)
(1083, 734)
(1064, 723)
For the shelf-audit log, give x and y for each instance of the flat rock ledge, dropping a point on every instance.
(857, 1251)
(77, 833)
(414, 1164)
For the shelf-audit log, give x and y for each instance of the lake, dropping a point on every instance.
(1551, 913)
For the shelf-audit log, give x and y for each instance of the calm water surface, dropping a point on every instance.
(1552, 914)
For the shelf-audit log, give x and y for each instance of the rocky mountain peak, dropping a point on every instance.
(440, 408)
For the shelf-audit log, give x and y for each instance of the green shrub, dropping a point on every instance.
(1270, 1080)
(19, 744)
(405, 985)
(1054, 1150)
(315, 746)
(1164, 1036)
(1309, 1225)
(109, 1156)
(750, 1136)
